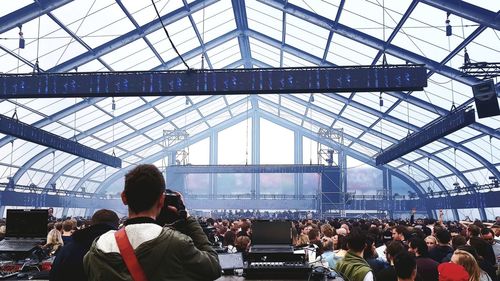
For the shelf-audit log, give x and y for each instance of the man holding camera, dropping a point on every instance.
(142, 250)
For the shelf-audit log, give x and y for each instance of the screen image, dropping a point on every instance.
(231, 261)
(271, 232)
(26, 223)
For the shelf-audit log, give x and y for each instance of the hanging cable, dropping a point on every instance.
(36, 67)
(310, 141)
(384, 58)
(168, 36)
(203, 38)
(408, 112)
(246, 132)
(74, 123)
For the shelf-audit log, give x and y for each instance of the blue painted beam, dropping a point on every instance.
(200, 37)
(29, 13)
(56, 116)
(369, 40)
(240, 16)
(433, 131)
(468, 11)
(210, 82)
(330, 35)
(131, 36)
(17, 56)
(29, 133)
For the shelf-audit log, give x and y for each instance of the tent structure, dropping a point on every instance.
(124, 35)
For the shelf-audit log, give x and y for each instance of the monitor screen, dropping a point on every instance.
(27, 223)
(231, 261)
(271, 233)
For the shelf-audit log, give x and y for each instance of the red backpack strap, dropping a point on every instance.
(128, 255)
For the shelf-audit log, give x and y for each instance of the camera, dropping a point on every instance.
(168, 215)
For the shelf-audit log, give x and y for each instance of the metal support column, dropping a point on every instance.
(214, 143)
(255, 153)
(298, 159)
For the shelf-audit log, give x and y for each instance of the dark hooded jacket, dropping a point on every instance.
(172, 255)
(68, 264)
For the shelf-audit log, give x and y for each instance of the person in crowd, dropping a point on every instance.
(162, 253)
(315, 241)
(485, 266)
(394, 248)
(68, 264)
(443, 248)
(54, 240)
(452, 272)
(427, 268)
(242, 244)
(484, 249)
(353, 266)
(67, 231)
(497, 220)
(468, 261)
(405, 267)
(229, 239)
(328, 254)
(399, 233)
(370, 255)
(302, 241)
(327, 230)
(245, 229)
(489, 236)
(431, 242)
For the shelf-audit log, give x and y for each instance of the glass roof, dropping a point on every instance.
(112, 35)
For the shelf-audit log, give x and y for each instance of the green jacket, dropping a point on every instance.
(170, 256)
(353, 267)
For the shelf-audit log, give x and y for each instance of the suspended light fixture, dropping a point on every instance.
(448, 26)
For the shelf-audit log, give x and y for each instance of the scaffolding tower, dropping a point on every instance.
(336, 158)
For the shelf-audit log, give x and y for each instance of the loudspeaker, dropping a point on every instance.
(486, 100)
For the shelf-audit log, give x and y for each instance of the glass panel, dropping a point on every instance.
(364, 180)
(235, 144)
(276, 144)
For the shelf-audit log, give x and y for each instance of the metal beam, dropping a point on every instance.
(369, 40)
(56, 116)
(30, 133)
(210, 82)
(468, 11)
(138, 27)
(240, 16)
(131, 36)
(200, 37)
(25, 61)
(29, 13)
(77, 39)
(433, 131)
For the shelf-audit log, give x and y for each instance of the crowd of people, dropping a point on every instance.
(161, 241)
(389, 250)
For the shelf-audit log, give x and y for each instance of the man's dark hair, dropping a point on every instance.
(404, 265)
(143, 186)
(107, 217)
(420, 245)
(443, 236)
(313, 234)
(486, 231)
(458, 241)
(356, 240)
(474, 230)
(395, 248)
